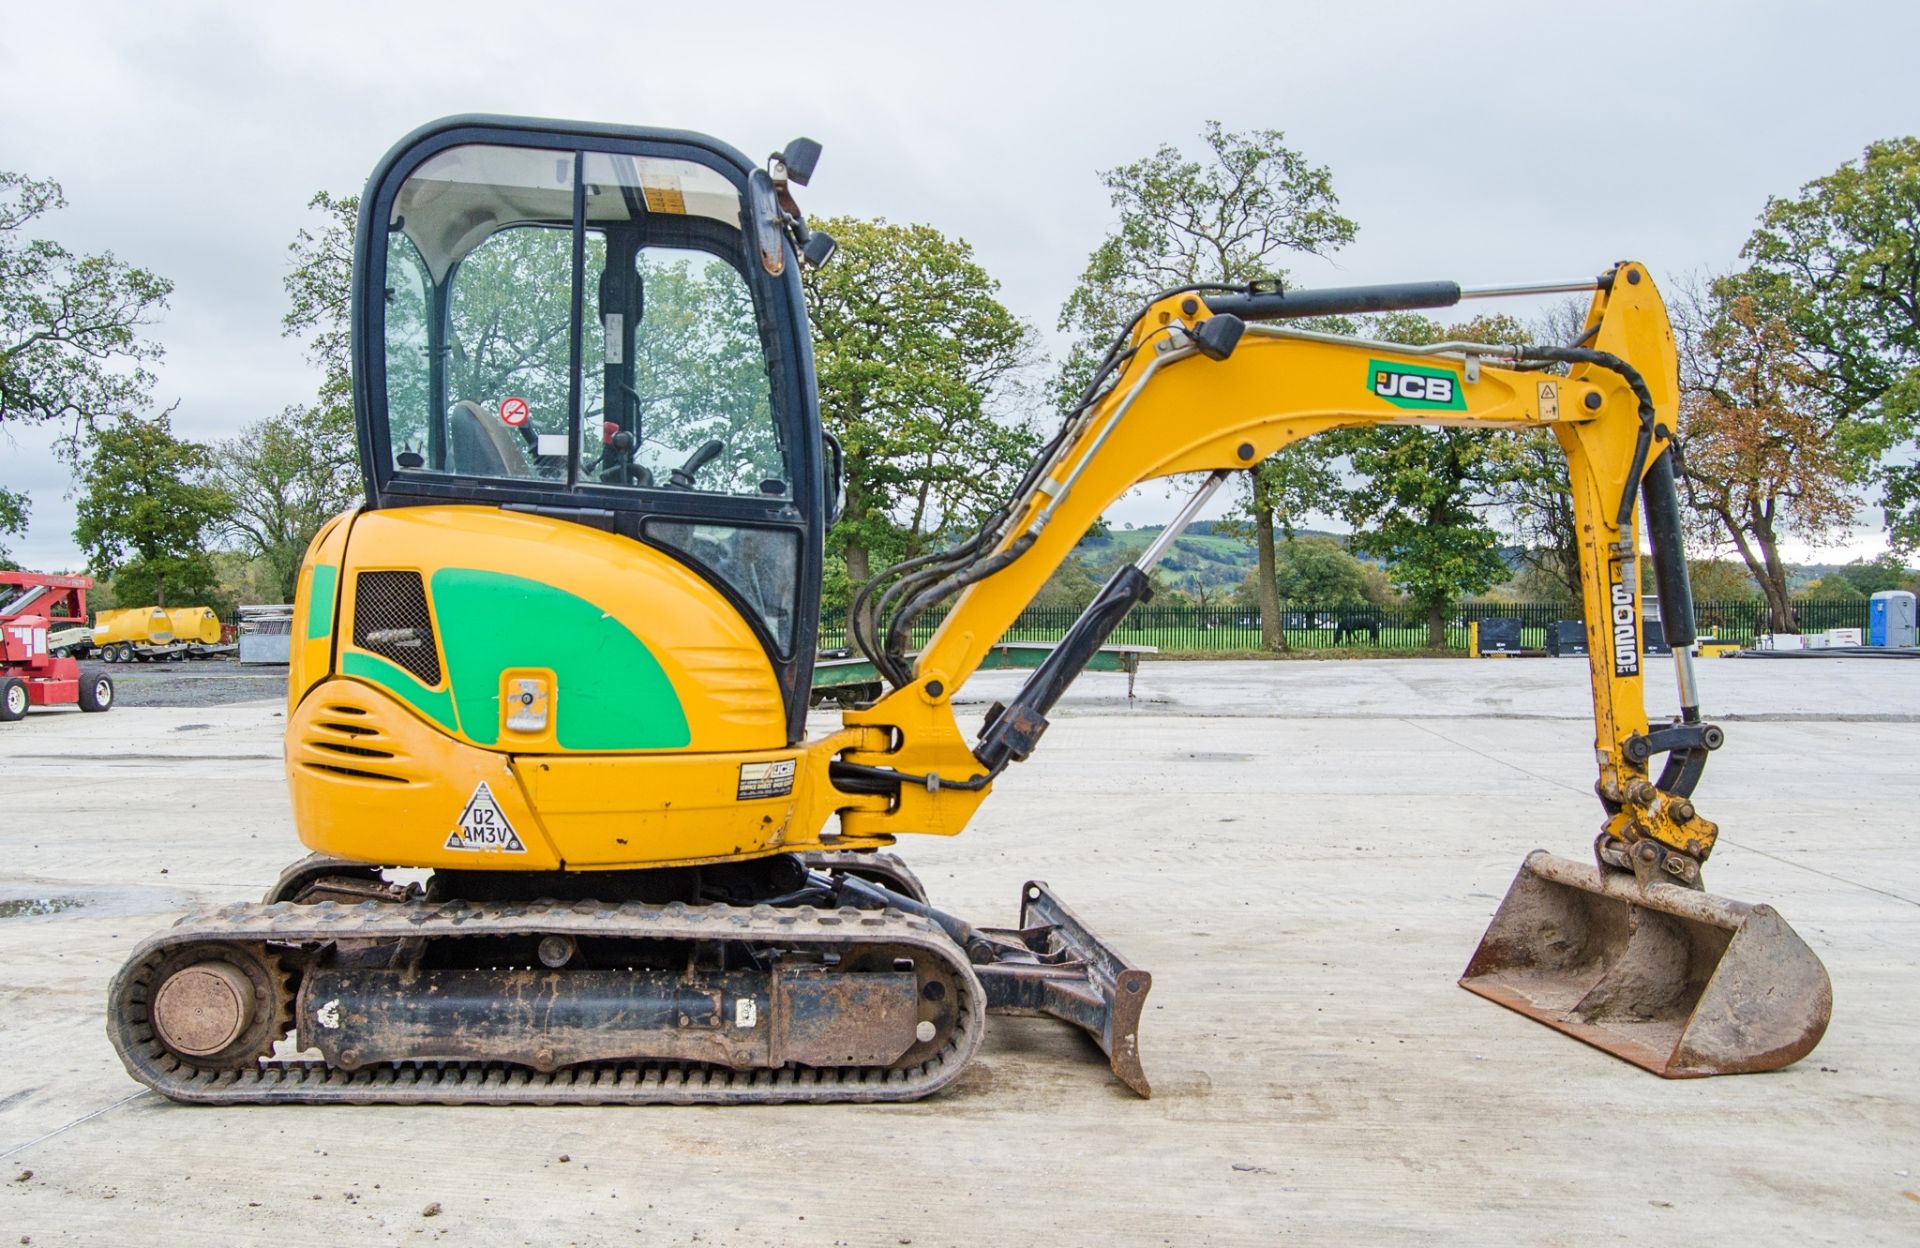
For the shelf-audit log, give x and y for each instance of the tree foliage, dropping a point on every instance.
(1421, 497)
(319, 290)
(1231, 216)
(1840, 264)
(13, 522)
(71, 348)
(914, 350)
(1721, 580)
(146, 511)
(1834, 587)
(1760, 457)
(285, 476)
(1870, 576)
(1318, 572)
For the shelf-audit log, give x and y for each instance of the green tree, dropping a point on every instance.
(1761, 459)
(146, 511)
(1870, 576)
(13, 522)
(71, 348)
(1721, 580)
(319, 290)
(1421, 496)
(1281, 489)
(1232, 216)
(286, 476)
(1071, 585)
(1834, 587)
(1533, 488)
(1842, 266)
(1318, 572)
(913, 348)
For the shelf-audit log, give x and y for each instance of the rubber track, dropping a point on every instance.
(305, 1081)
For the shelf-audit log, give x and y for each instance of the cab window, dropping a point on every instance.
(673, 387)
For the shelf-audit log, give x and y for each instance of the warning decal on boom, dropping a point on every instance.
(483, 827)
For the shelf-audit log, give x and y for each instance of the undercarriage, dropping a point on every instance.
(794, 978)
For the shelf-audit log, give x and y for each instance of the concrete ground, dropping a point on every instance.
(1304, 854)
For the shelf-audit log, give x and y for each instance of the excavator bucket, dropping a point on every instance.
(1680, 982)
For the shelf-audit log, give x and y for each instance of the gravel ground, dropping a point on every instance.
(191, 682)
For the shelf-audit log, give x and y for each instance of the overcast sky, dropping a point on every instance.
(1477, 143)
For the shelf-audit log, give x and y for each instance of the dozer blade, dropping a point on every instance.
(1682, 983)
(1053, 965)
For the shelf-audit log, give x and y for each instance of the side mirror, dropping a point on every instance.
(836, 467)
(768, 224)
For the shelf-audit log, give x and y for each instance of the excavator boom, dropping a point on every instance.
(1628, 954)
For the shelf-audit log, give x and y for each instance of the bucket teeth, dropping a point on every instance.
(1679, 982)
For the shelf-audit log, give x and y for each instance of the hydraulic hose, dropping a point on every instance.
(1643, 443)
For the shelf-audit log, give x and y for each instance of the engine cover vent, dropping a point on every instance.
(390, 619)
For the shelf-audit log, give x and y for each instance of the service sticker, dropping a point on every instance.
(661, 188)
(483, 828)
(766, 779)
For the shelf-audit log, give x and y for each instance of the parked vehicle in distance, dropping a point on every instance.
(148, 633)
(31, 673)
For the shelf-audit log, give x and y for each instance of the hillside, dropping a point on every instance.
(1205, 556)
(1200, 556)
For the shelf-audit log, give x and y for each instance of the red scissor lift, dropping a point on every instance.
(30, 675)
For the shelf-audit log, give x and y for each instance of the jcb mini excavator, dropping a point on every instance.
(560, 659)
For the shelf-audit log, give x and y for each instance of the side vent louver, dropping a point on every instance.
(390, 619)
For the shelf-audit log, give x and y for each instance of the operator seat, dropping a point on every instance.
(480, 447)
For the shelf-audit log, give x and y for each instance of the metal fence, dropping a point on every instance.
(1200, 630)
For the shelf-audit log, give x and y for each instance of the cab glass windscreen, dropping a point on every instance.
(681, 398)
(479, 297)
(673, 385)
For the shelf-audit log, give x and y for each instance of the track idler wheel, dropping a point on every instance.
(218, 1008)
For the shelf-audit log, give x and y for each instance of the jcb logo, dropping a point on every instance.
(1414, 387)
(1408, 386)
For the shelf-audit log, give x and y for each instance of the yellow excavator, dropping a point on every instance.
(559, 661)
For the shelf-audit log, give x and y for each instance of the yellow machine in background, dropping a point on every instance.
(127, 633)
(561, 658)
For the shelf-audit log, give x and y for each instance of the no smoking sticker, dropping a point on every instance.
(515, 411)
(483, 828)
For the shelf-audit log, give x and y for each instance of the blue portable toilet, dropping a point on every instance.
(1890, 618)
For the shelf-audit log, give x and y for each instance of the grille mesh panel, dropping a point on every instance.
(390, 619)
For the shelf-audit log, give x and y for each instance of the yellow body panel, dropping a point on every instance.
(711, 657)
(379, 775)
(316, 604)
(372, 780)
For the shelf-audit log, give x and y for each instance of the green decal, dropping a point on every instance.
(435, 704)
(320, 601)
(1417, 387)
(611, 693)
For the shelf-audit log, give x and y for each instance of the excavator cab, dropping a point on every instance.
(605, 326)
